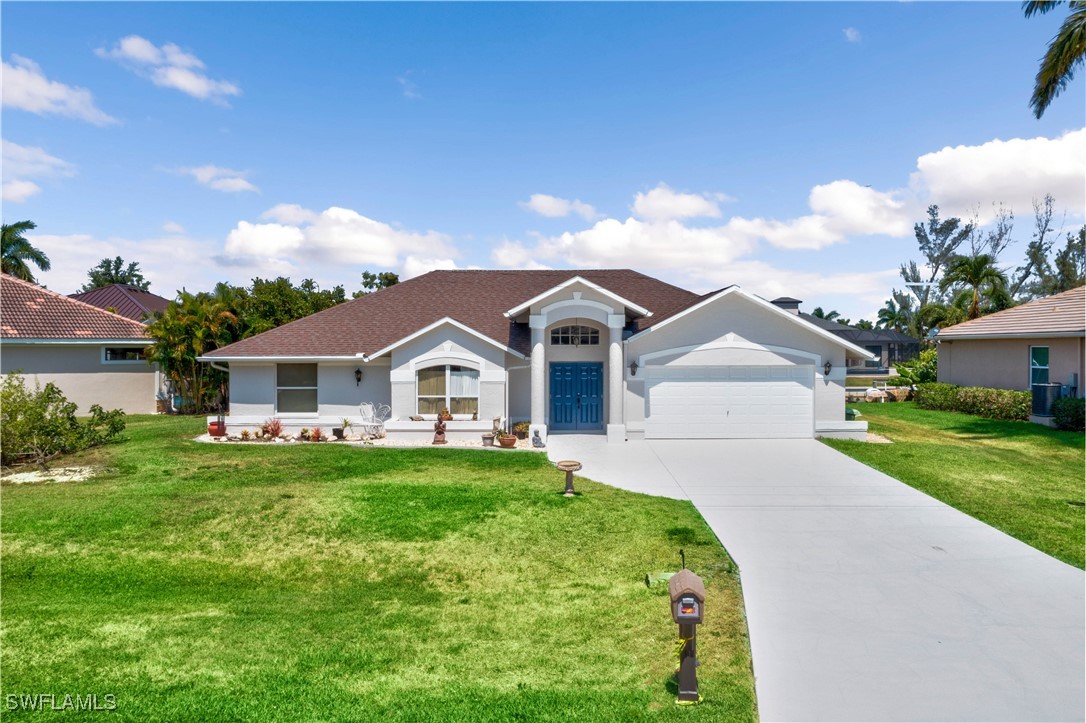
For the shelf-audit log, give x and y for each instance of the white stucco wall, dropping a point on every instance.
(448, 344)
(252, 388)
(80, 372)
(733, 325)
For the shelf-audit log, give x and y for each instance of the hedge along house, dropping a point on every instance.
(92, 355)
(610, 352)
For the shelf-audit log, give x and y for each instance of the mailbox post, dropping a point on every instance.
(687, 609)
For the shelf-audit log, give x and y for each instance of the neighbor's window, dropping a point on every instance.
(449, 387)
(1038, 365)
(124, 353)
(575, 336)
(296, 388)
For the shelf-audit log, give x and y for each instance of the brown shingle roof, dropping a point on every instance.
(28, 311)
(125, 300)
(1058, 315)
(475, 298)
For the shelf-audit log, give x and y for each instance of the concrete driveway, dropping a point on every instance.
(868, 600)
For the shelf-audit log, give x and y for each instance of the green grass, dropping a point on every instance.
(1021, 478)
(267, 582)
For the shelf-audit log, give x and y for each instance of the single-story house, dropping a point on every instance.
(1039, 342)
(888, 346)
(612, 352)
(94, 356)
(126, 300)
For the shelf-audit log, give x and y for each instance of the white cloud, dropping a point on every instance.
(21, 163)
(852, 35)
(169, 66)
(554, 207)
(414, 266)
(171, 227)
(290, 213)
(25, 87)
(168, 262)
(220, 179)
(339, 237)
(664, 204)
(1013, 172)
(409, 87)
(16, 191)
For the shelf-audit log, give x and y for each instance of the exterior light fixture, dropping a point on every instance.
(633, 368)
(357, 377)
(826, 368)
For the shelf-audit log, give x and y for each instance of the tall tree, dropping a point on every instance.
(375, 282)
(864, 324)
(270, 303)
(827, 315)
(1065, 53)
(897, 313)
(1070, 265)
(114, 271)
(16, 251)
(938, 240)
(977, 273)
(1036, 266)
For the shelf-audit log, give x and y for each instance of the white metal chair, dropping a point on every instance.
(374, 417)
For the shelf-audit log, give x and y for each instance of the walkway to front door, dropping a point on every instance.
(576, 396)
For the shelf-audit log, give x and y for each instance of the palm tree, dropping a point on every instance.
(896, 315)
(1065, 52)
(864, 324)
(827, 315)
(978, 273)
(17, 251)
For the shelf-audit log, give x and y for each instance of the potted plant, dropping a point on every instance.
(507, 439)
(520, 430)
(341, 431)
(488, 439)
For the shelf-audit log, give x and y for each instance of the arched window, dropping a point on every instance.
(575, 336)
(451, 387)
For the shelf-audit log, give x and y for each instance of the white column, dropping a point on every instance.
(616, 427)
(539, 377)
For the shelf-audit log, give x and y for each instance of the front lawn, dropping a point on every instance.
(1022, 478)
(275, 582)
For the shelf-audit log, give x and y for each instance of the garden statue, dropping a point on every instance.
(537, 441)
(439, 431)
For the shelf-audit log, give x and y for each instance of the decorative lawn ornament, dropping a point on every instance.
(569, 466)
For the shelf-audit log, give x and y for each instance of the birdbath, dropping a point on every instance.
(569, 466)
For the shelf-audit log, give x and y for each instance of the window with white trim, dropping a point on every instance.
(114, 354)
(1038, 365)
(449, 386)
(296, 388)
(575, 335)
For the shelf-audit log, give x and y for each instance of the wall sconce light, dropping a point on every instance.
(633, 369)
(826, 368)
(357, 377)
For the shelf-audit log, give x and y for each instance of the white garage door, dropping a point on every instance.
(748, 402)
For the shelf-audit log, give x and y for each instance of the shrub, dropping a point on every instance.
(246, 435)
(272, 427)
(922, 369)
(316, 435)
(37, 425)
(521, 429)
(995, 403)
(979, 401)
(1070, 413)
(940, 397)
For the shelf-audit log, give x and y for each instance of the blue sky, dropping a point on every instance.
(784, 147)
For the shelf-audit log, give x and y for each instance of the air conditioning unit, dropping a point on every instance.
(1043, 397)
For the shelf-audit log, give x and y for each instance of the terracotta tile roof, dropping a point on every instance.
(1058, 315)
(125, 300)
(28, 311)
(475, 298)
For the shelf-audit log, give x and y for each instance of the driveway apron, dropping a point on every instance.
(866, 599)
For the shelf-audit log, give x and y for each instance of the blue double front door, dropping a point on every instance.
(576, 396)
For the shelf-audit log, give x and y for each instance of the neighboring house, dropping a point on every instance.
(1038, 342)
(94, 356)
(124, 300)
(887, 346)
(613, 352)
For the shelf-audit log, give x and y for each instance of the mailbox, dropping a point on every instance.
(688, 610)
(687, 598)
